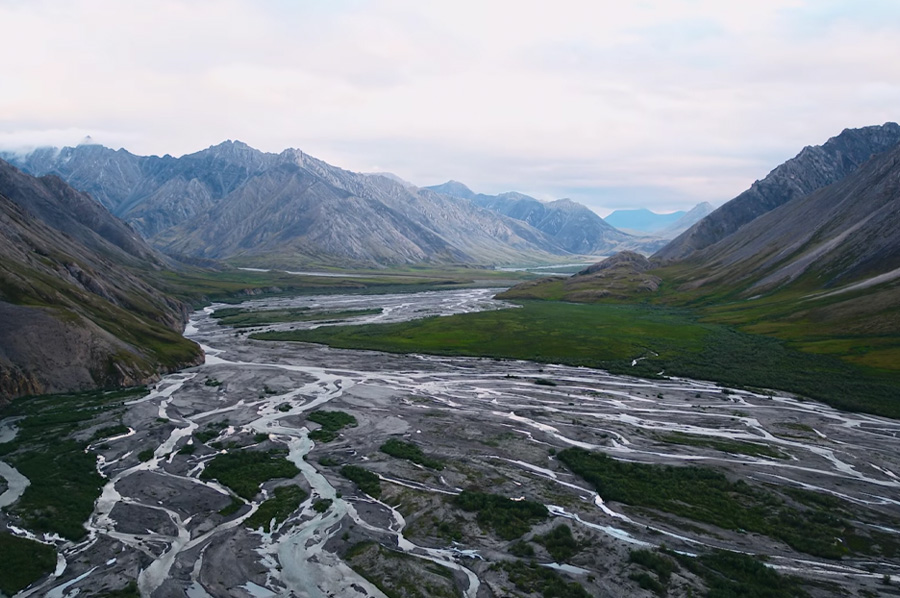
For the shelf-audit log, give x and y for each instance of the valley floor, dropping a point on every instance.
(497, 426)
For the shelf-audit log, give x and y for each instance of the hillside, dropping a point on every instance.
(841, 236)
(73, 313)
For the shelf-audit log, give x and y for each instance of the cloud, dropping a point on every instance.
(695, 98)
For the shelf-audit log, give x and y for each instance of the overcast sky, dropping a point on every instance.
(655, 103)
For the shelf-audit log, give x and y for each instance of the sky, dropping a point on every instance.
(616, 104)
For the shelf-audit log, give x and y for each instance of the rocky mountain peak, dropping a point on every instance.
(454, 188)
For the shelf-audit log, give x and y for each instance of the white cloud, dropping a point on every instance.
(697, 98)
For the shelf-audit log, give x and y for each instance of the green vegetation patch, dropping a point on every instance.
(560, 543)
(64, 486)
(245, 471)
(24, 562)
(285, 500)
(129, 591)
(64, 478)
(610, 336)
(661, 566)
(244, 318)
(211, 431)
(508, 518)
(532, 578)
(409, 451)
(736, 575)
(367, 481)
(706, 495)
(398, 575)
(725, 445)
(332, 422)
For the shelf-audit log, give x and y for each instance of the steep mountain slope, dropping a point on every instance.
(813, 168)
(571, 225)
(63, 208)
(846, 233)
(232, 201)
(72, 314)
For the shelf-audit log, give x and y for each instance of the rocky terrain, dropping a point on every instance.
(837, 242)
(392, 502)
(308, 210)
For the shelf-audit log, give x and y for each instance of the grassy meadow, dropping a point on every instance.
(671, 341)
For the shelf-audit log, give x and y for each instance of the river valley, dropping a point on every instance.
(496, 426)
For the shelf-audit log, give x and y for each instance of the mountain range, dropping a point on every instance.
(817, 237)
(575, 228)
(232, 202)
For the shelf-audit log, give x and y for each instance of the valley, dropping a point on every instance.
(450, 300)
(811, 488)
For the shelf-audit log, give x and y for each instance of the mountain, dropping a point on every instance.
(813, 168)
(574, 227)
(840, 238)
(149, 192)
(622, 276)
(74, 314)
(660, 227)
(231, 201)
(642, 220)
(693, 216)
(454, 189)
(61, 207)
(834, 242)
(305, 209)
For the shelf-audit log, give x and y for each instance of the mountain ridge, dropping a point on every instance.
(574, 227)
(811, 169)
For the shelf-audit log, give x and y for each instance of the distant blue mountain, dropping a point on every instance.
(642, 220)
